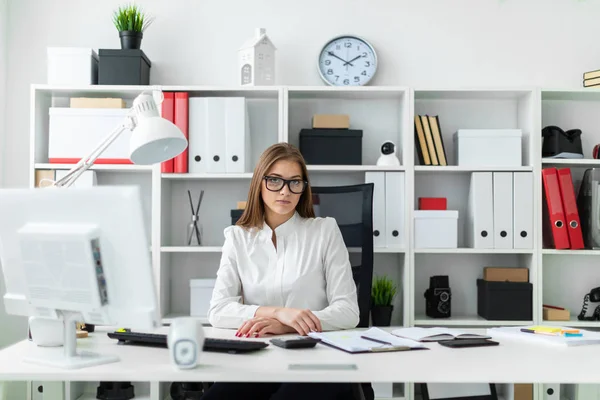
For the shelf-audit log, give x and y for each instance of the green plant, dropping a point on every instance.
(131, 18)
(383, 291)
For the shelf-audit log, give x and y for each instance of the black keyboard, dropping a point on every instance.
(210, 344)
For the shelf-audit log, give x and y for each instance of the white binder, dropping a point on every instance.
(215, 135)
(379, 229)
(394, 209)
(503, 210)
(523, 210)
(586, 391)
(197, 142)
(479, 225)
(237, 136)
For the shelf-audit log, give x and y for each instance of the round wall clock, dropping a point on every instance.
(347, 60)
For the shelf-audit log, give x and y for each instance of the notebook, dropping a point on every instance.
(370, 341)
(435, 334)
(545, 337)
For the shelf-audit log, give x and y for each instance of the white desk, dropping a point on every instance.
(510, 362)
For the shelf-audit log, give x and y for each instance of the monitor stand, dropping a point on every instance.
(68, 357)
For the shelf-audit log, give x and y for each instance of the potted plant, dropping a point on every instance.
(131, 22)
(382, 295)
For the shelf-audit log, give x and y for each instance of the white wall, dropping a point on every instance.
(419, 42)
(3, 66)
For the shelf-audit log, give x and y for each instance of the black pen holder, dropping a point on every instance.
(561, 144)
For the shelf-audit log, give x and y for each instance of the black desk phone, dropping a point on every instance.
(594, 297)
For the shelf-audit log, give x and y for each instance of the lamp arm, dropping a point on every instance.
(85, 163)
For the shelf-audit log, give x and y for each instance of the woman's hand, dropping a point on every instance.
(303, 321)
(260, 326)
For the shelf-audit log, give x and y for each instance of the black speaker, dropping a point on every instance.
(438, 297)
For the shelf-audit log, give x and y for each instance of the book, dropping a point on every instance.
(546, 335)
(435, 334)
(372, 340)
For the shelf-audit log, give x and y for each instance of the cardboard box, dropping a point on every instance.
(90, 102)
(331, 121)
(241, 205)
(554, 314)
(523, 391)
(501, 274)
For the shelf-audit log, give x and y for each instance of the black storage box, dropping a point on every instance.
(561, 144)
(123, 67)
(235, 215)
(504, 301)
(331, 146)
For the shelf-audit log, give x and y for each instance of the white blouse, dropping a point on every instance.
(310, 269)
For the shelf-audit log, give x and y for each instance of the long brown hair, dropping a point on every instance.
(254, 214)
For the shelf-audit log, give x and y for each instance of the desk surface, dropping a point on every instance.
(510, 362)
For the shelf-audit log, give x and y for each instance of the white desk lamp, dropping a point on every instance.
(153, 140)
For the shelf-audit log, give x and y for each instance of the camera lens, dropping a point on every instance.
(387, 148)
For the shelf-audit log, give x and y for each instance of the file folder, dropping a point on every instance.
(394, 209)
(236, 135)
(523, 210)
(554, 230)
(379, 228)
(572, 222)
(197, 157)
(480, 215)
(503, 210)
(167, 112)
(180, 163)
(215, 135)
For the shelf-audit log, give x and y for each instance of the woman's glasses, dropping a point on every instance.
(275, 184)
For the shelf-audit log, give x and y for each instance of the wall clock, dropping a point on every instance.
(347, 60)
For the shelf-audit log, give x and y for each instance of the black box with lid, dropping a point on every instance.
(505, 301)
(123, 67)
(331, 146)
(235, 215)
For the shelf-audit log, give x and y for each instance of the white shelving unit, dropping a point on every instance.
(384, 113)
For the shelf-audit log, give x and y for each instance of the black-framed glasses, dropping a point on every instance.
(275, 184)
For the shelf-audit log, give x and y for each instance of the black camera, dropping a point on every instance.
(388, 148)
(438, 297)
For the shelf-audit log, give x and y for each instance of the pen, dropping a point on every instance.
(376, 340)
(536, 332)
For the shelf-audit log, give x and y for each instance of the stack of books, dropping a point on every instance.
(429, 141)
(591, 78)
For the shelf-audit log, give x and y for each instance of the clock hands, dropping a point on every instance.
(331, 53)
(350, 62)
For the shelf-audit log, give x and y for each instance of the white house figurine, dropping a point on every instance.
(257, 60)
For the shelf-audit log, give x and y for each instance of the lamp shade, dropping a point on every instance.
(155, 140)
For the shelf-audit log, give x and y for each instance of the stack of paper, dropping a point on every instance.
(526, 333)
(435, 334)
(369, 341)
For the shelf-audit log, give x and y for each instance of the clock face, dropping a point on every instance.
(347, 61)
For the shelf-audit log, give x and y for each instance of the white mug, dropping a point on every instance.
(185, 340)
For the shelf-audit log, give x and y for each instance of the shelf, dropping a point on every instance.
(581, 94)
(217, 249)
(582, 252)
(473, 251)
(351, 168)
(459, 169)
(465, 320)
(347, 92)
(471, 93)
(571, 162)
(573, 322)
(99, 167)
(194, 176)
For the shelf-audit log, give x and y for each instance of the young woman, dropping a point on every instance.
(282, 271)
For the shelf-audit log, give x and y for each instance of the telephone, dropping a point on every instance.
(594, 297)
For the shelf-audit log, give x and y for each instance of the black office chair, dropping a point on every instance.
(352, 208)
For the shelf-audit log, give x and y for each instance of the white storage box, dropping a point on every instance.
(488, 147)
(200, 295)
(436, 229)
(75, 132)
(72, 66)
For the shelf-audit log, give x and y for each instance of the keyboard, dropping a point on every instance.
(233, 346)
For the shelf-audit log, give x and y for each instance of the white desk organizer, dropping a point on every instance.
(75, 132)
(200, 295)
(488, 147)
(72, 66)
(436, 229)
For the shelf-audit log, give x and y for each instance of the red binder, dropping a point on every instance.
(555, 231)
(181, 120)
(572, 222)
(167, 112)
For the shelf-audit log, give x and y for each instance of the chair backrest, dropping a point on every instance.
(352, 208)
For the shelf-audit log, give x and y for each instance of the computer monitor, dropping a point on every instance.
(77, 255)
